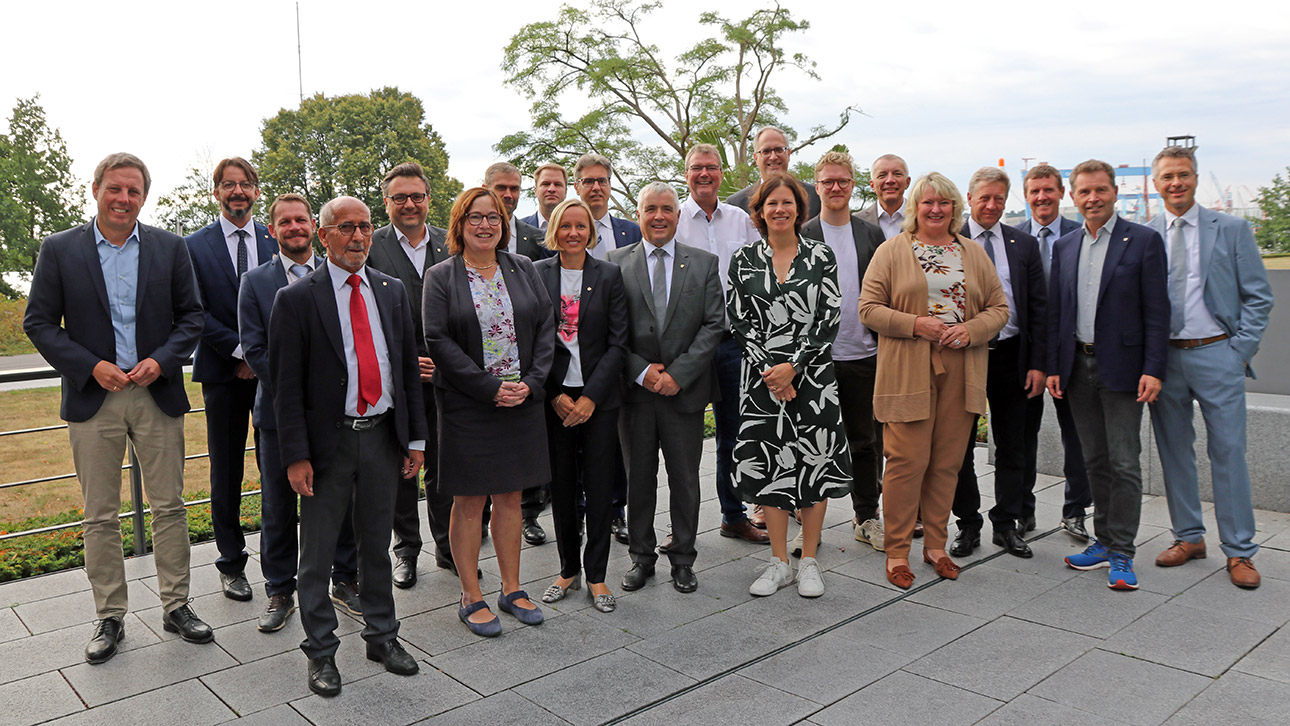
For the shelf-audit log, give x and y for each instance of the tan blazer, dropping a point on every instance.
(893, 295)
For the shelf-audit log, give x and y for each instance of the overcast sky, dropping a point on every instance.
(950, 86)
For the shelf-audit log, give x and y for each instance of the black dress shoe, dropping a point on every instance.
(1011, 541)
(618, 527)
(184, 621)
(405, 572)
(1074, 526)
(324, 679)
(965, 541)
(1028, 524)
(107, 633)
(533, 532)
(275, 617)
(396, 660)
(636, 576)
(235, 586)
(683, 578)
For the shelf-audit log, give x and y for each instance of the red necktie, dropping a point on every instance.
(369, 371)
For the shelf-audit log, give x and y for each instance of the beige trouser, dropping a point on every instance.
(923, 460)
(98, 448)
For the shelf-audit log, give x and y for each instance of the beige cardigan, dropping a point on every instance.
(893, 295)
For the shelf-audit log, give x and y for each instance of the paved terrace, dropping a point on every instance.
(1012, 642)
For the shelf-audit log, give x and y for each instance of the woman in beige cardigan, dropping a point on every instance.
(935, 301)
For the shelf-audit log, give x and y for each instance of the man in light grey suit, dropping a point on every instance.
(1220, 301)
(676, 319)
(889, 178)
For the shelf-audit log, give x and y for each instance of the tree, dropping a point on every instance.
(344, 145)
(1273, 231)
(716, 92)
(38, 194)
(192, 205)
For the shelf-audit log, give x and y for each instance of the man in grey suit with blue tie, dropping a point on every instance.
(1220, 301)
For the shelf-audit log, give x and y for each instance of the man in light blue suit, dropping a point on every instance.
(1220, 302)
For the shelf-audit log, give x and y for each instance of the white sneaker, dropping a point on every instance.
(795, 547)
(777, 574)
(809, 582)
(870, 532)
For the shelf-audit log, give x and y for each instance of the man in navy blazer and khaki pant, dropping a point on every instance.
(114, 309)
(1220, 302)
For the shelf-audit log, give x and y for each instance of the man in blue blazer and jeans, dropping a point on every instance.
(222, 252)
(1108, 330)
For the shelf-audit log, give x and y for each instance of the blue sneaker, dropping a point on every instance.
(1122, 576)
(1093, 557)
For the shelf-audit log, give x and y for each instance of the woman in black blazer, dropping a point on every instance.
(489, 330)
(583, 392)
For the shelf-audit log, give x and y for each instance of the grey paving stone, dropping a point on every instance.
(499, 708)
(1279, 541)
(1004, 658)
(903, 698)
(1271, 659)
(909, 628)
(42, 653)
(1216, 594)
(1239, 699)
(1028, 710)
(727, 582)
(280, 679)
(789, 613)
(283, 715)
(1047, 562)
(246, 643)
(215, 610)
(11, 626)
(37, 699)
(77, 608)
(709, 646)
(1193, 640)
(387, 699)
(138, 568)
(729, 700)
(494, 664)
(1149, 692)
(1273, 563)
(623, 681)
(435, 588)
(204, 580)
(658, 609)
(145, 669)
(157, 708)
(982, 592)
(825, 669)
(43, 587)
(439, 631)
(1084, 605)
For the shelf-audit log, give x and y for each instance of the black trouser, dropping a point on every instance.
(864, 434)
(407, 521)
(582, 462)
(645, 428)
(362, 473)
(228, 414)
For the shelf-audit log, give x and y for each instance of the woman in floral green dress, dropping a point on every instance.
(791, 452)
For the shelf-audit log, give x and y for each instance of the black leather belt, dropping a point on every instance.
(361, 424)
(1085, 348)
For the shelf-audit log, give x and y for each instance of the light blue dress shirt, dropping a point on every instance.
(121, 277)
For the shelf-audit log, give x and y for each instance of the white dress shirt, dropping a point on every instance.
(416, 255)
(890, 223)
(605, 232)
(669, 261)
(288, 263)
(729, 229)
(230, 240)
(1000, 255)
(1197, 322)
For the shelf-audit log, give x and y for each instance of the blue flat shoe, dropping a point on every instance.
(505, 603)
(488, 629)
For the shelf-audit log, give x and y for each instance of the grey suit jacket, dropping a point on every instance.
(692, 327)
(870, 214)
(1236, 288)
(867, 236)
(387, 256)
(530, 241)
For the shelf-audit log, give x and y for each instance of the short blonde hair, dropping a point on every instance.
(940, 185)
(836, 158)
(557, 218)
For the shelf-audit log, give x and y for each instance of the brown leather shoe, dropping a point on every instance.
(944, 566)
(1180, 552)
(1242, 572)
(758, 517)
(901, 576)
(665, 545)
(744, 529)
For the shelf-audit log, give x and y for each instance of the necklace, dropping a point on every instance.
(478, 267)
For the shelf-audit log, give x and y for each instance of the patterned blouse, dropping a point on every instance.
(496, 325)
(946, 291)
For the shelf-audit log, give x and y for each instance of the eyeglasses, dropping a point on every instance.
(839, 183)
(475, 219)
(594, 181)
(403, 198)
(347, 229)
(772, 150)
(229, 186)
(700, 168)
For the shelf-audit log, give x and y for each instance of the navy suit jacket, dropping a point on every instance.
(602, 331)
(533, 220)
(217, 284)
(309, 375)
(626, 232)
(1029, 294)
(254, 305)
(69, 322)
(1131, 328)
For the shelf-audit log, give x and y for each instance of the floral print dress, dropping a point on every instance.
(496, 325)
(790, 454)
(946, 292)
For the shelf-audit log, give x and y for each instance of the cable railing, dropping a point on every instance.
(136, 514)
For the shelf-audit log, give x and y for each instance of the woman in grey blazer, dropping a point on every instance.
(491, 334)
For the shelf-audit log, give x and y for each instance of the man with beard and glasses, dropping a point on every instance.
(222, 252)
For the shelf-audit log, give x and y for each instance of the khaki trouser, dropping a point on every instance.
(98, 448)
(923, 460)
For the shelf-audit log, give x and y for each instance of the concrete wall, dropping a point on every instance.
(1272, 363)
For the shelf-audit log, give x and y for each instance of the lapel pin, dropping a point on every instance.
(588, 289)
(682, 264)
